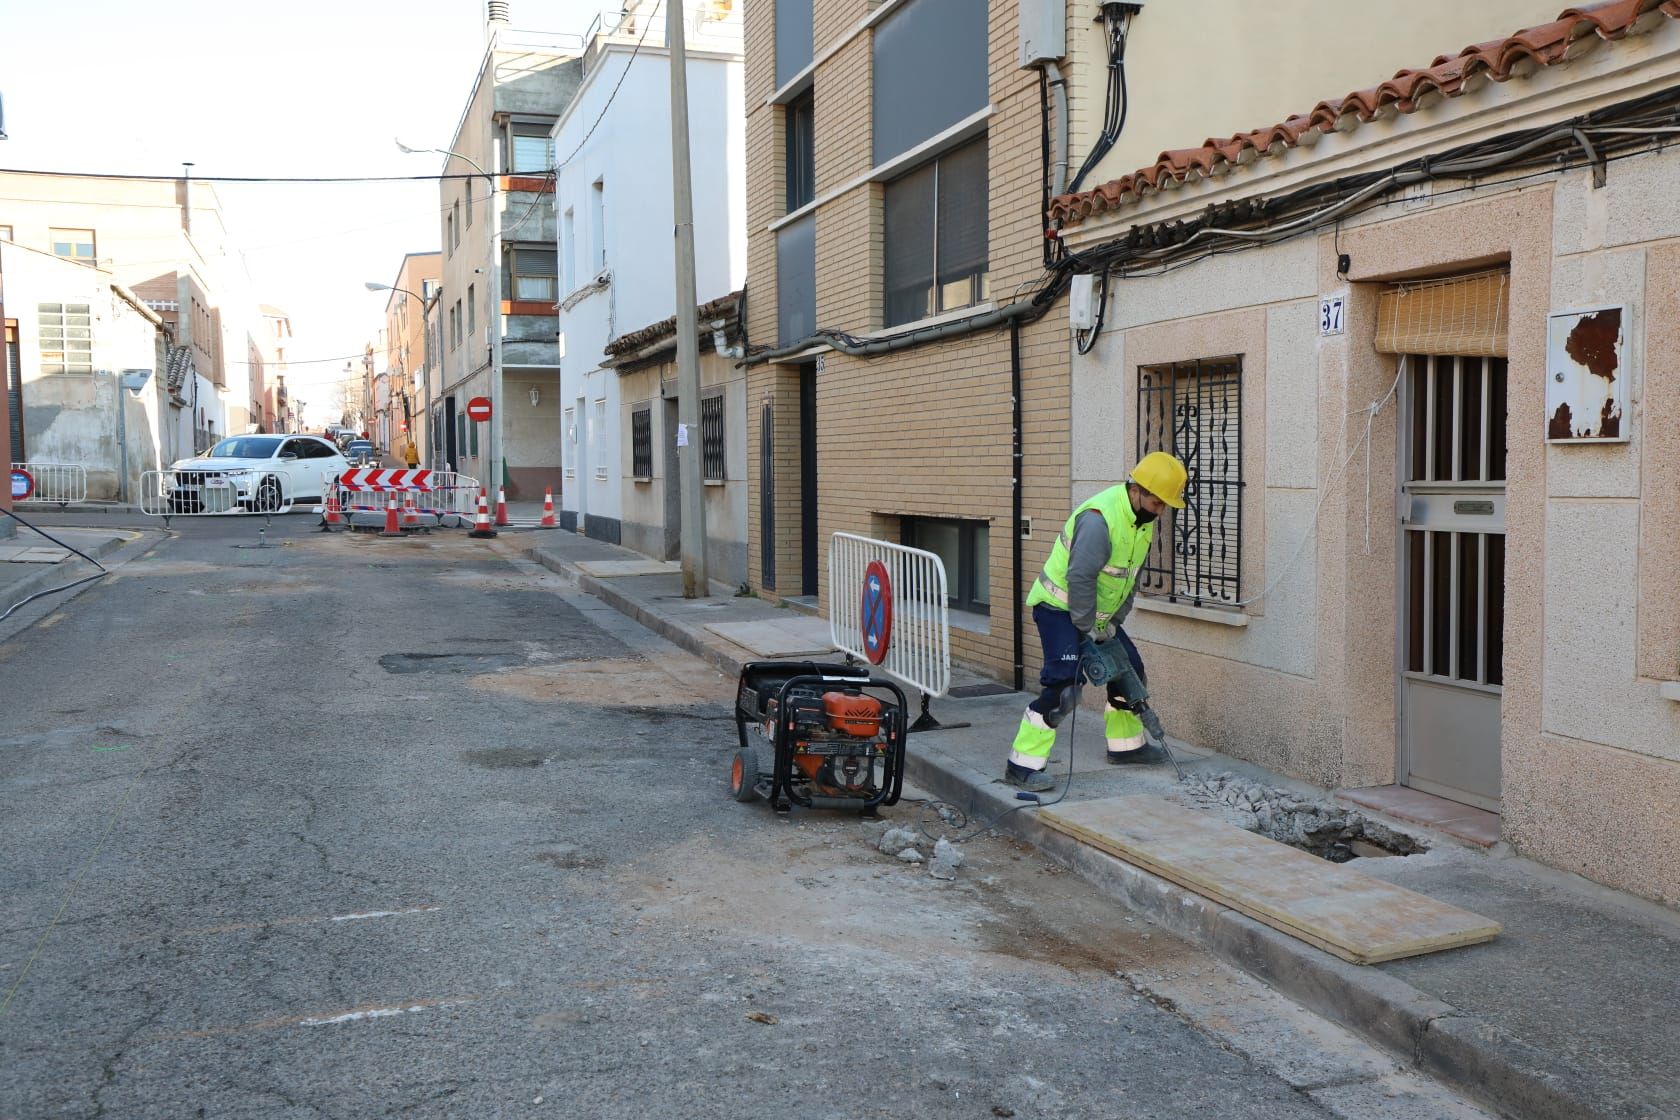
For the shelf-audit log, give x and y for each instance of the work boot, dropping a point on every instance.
(1033, 781)
(1146, 755)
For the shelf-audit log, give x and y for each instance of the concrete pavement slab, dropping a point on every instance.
(1565, 1015)
(782, 637)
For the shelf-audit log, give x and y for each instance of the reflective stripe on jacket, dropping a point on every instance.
(1128, 546)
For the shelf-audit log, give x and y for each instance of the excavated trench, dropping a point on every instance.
(1320, 827)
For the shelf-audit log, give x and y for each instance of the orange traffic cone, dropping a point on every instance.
(410, 515)
(548, 521)
(392, 529)
(481, 529)
(501, 507)
(334, 515)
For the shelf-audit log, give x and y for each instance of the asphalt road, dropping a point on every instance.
(347, 827)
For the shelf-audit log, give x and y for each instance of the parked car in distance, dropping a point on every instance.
(257, 473)
(359, 451)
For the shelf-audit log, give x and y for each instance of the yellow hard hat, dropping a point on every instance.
(1163, 476)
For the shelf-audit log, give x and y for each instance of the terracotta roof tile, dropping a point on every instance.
(724, 307)
(1575, 32)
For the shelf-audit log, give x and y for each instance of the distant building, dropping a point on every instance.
(525, 81)
(616, 289)
(164, 242)
(401, 360)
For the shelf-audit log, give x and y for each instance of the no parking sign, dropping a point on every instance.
(23, 484)
(876, 612)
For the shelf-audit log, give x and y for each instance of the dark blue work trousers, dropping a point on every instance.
(1060, 640)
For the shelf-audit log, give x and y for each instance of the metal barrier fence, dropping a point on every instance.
(213, 493)
(887, 605)
(445, 494)
(56, 484)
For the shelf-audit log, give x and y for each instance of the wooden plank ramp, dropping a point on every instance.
(1356, 917)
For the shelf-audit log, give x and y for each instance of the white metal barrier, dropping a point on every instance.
(56, 484)
(887, 605)
(194, 492)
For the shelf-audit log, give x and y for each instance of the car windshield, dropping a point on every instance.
(244, 447)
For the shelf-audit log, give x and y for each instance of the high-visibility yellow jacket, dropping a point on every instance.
(1128, 546)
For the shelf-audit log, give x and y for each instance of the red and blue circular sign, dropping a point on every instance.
(23, 485)
(877, 612)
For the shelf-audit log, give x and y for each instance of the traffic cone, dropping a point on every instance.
(501, 507)
(548, 521)
(334, 515)
(410, 515)
(392, 529)
(481, 529)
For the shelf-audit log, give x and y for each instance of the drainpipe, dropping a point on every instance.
(186, 197)
(1015, 495)
(1058, 87)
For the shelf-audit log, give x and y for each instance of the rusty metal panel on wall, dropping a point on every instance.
(1586, 375)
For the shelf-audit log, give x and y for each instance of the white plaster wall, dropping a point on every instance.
(1100, 416)
(1276, 274)
(1592, 691)
(630, 151)
(1292, 346)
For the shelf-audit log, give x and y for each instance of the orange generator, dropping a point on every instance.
(836, 737)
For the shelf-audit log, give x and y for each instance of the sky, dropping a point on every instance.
(307, 88)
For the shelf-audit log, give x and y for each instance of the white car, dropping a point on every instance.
(257, 473)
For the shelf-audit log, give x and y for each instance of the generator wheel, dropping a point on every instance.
(743, 775)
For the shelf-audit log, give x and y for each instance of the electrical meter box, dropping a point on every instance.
(1043, 32)
(1082, 302)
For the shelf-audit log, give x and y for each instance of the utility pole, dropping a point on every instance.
(689, 461)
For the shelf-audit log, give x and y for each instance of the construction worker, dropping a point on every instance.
(1083, 595)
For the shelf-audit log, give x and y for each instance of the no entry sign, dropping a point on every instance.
(877, 612)
(23, 485)
(478, 408)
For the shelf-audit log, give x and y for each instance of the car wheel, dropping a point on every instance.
(267, 497)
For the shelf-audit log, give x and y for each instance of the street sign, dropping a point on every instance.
(23, 484)
(478, 408)
(877, 612)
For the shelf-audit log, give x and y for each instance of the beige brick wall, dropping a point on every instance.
(923, 431)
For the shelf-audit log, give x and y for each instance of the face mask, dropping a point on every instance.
(1141, 516)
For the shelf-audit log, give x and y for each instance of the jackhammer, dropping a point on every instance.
(1099, 666)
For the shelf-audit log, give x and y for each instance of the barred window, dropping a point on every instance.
(1194, 410)
(641, 443)
(711, 438)
(66, 334)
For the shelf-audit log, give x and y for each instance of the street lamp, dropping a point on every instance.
(426, 378)
(495, 450)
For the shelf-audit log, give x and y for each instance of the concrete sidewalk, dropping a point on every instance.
(1568, 1013)
(31, 563)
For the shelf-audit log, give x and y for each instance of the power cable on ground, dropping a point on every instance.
(100, 574)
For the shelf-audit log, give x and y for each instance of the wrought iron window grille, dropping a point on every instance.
(641, 443)
(712, 465)
(1194, 410)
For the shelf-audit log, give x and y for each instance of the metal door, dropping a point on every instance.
(1452, 576)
